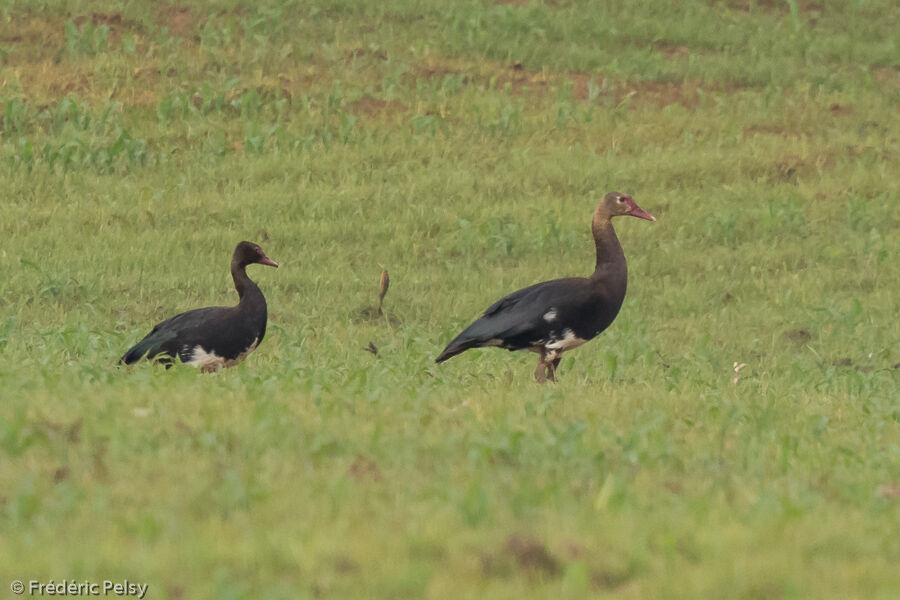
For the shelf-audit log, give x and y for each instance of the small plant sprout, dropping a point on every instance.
(385, 284)
(737, 371)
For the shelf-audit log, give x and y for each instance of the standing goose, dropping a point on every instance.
(215, 337)
(554, 316)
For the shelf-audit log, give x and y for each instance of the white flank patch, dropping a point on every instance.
(210, 362)
(550, 315)
(494, 342)
(568, 341)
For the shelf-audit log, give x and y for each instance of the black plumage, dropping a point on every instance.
(215, 337)
(554, 316)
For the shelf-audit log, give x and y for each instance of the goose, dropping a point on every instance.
(556, 316)
(215, 337)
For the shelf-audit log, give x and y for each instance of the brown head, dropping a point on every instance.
(615, 204)
(248, 253)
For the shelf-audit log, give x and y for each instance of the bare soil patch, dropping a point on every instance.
(375, 108)
(522, 551)
(357, 53)
(840, 109)
(670, 50)
(520, 79)
(658, 93)
(116, 23)
(364, 469)
(531, 554)
(50, 79)
(34, 31)
(798, 336)
(179, 20)
(888, 490)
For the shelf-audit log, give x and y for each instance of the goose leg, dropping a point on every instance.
(540, 373)
(551, 368)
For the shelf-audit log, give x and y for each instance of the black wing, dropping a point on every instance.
(518, 320)
(169, 336)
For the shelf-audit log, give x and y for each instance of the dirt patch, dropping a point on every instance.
(111, 19)
(138, 97)
(70, 432)
(518, 78)
(99, 461)
(528, 554)
(890, 491)
(115, 22)
(44, 37)
(375, 108)
(670, 50)
(437, 67)
(768, 129)
(184, 428)
(371, 314)
(674, 486)
(848, 362)
(53, 80)
(79, 85)
(296, 78)
(689, 93)
(798, 336)
(48, 32)
(888, 77)
(531, 554)
(179, 20)
(665, 93)
(786, 168)
(790, 167)
(357, 53)
(488, 74)
(60, 474)
(609, 579)
(840, 109)
(364, 469)
(520, 551)
(345, 565)
(571, 549)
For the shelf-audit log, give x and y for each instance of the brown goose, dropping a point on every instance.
(555, 316)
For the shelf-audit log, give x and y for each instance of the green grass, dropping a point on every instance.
(463, 147)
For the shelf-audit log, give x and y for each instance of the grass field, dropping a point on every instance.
(462, 146)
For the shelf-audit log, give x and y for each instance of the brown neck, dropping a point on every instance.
(610, 257)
